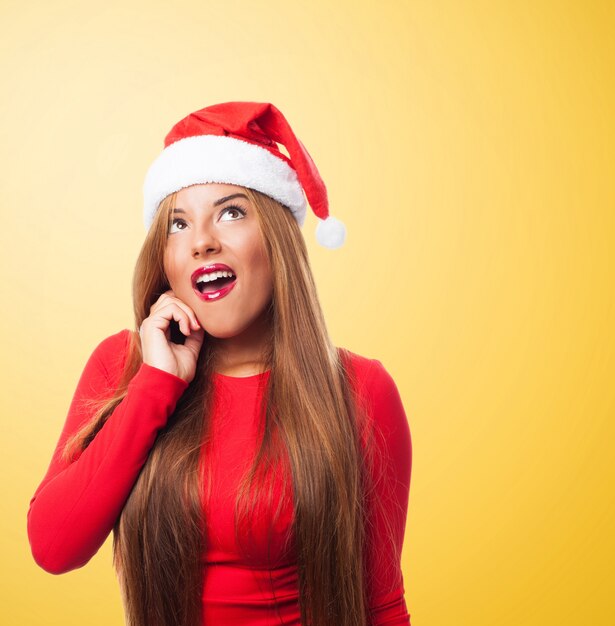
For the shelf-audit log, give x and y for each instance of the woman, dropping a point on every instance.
(251, 472)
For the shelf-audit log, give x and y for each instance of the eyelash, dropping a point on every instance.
(228, 208)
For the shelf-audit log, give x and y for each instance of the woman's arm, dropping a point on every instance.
(77, 504)
(392, 471)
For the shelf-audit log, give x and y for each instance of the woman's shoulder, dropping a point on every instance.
(111, 352)
(377, 388)
(114, 344)
(368, 374)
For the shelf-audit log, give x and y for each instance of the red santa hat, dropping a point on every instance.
(236, 143)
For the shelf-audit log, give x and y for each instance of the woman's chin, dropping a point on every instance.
(218, 335)
(220, 331)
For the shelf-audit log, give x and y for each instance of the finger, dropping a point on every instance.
(171, 310)
(193, 320)
(181, 317)
(162, 299)
(194, 341)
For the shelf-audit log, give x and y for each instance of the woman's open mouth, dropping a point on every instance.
(212, 283)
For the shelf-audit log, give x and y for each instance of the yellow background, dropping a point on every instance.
(468, 147)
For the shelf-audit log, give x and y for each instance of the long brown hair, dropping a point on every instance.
(315, 424)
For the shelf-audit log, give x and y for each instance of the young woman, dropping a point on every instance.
(251, 472)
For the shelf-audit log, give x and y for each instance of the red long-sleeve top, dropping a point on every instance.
(75, 507)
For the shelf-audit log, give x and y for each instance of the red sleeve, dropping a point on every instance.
(392, 470)
(76, 505)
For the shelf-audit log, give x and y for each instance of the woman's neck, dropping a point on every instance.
(244, 354)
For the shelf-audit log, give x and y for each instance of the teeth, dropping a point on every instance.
(207, 278)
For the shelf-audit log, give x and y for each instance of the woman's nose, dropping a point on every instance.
(205, 242)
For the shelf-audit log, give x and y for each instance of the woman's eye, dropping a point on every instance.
(235, 212)
(176, 221)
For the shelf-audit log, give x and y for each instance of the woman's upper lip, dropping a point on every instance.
(211, 267)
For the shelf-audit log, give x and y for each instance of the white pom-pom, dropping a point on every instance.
(330, 232)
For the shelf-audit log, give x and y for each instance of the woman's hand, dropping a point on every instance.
(157, 348)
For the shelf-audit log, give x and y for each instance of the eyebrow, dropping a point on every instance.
(219, 201)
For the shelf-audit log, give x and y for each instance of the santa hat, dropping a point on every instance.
(236, 143)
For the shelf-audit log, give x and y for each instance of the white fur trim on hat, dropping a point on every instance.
(221, 159)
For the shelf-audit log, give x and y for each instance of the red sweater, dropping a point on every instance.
(76, 505)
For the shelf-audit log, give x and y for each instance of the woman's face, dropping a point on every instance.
(217, 224)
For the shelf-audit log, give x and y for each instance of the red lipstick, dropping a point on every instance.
(208, 296)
